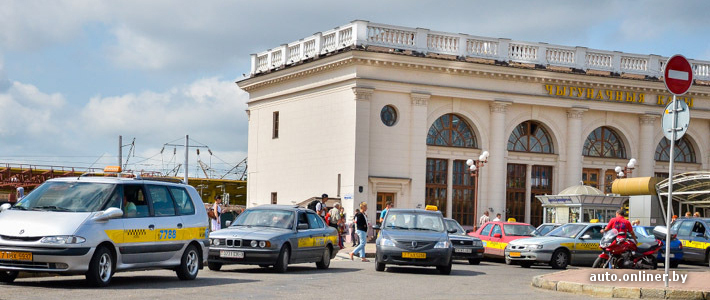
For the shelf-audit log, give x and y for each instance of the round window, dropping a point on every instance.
(388, 115)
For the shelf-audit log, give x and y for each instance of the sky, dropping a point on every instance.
(74, 75)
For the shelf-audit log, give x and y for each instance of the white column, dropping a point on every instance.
(417, 145)
(496, 168)
(647, 147)
(528, 192)
(362, 151)
(449, 188)
(574, 146)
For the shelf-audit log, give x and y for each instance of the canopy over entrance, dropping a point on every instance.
(691, 188)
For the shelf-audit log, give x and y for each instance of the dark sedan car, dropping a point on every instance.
(465, 247)
(414, 237)
(275, 235)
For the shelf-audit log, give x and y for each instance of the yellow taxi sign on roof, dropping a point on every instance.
(594, 221)
(431, 207)
(511, 220)
(112, 169)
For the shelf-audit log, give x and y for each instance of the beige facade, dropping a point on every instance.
(331, 137)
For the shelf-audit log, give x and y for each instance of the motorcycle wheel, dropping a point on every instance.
(599, 263)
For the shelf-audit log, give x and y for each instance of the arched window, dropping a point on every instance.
(604, 142)
(530, 136)
(451, 131)
(683, 151)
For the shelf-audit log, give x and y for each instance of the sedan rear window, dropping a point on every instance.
(567, 230)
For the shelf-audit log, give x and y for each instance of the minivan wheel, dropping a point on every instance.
(325, 260)
(282, 263)
(100, 268)
(189, 264)
(8, 276)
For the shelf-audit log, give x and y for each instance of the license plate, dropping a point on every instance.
(231, 254)
(514, 254)
(463, 250)
(413, 255)
(11, 255)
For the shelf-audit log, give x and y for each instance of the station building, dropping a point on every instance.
(373, 112)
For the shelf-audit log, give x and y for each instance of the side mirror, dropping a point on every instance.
(5, 206)
(109, 213)
(497, 235)
(228, 223)
(452, 230)
(302, 226)
(376, 227)
(586, 237)
(469, 231)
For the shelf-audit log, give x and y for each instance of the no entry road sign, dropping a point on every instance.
(678, 75)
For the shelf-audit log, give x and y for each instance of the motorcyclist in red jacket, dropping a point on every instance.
(621, 224)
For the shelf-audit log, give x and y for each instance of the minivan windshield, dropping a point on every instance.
(266, 218)
(408, 220)
(67, 196)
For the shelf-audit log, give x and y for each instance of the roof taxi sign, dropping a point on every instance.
(678, 75)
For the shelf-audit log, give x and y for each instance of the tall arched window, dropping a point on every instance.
(530, 136)
(452, 131)
(604, 142)
(683, 151)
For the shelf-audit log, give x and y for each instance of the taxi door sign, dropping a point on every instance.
(695, 244)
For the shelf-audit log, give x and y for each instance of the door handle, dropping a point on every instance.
(151, 226)
(179, 226)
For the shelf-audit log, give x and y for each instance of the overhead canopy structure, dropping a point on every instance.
(580, 203)
(691, 188)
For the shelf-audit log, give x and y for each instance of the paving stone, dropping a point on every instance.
(679, 294)
(651, 293)
(625, 292)
(598, 290)
(570, 287)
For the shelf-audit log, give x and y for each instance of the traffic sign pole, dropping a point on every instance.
(670, 187)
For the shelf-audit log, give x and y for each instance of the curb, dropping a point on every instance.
(616, 292)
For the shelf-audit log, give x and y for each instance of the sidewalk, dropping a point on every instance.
(345, 252)
(578, 282)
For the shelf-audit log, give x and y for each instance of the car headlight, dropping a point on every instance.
(534, 247)
(254, 243)
(386, 242)
(442, 244)
(478, 243)
(214, 242)
(62, 239)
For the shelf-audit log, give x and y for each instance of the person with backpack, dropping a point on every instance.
(333, 216)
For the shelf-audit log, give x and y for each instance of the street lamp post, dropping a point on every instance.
(474, 166)
(626, 171)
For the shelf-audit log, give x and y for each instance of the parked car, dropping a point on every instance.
(100, 225)
(644, 234)
(414, 237)
(465, 247)
(495, 235)
(545, 228)
(695, 238)
(572, 243)
(274, 235)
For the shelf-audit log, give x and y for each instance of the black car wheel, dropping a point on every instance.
(8, 276)
(560, 259)
(189, 264)
(214, 266)
(100, 268)
(325, 260)
(445, 270)
(509, 261)
(282, 263)
(474, 261)
(379, 267)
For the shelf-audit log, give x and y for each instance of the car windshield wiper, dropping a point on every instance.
(425, 229)
(19, 207)
(51, 207)
(396, 227)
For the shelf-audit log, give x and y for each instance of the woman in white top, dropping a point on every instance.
(217, 208)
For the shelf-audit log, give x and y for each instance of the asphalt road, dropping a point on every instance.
(348, 279)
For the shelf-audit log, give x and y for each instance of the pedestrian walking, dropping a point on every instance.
(498, 218)
(353, 229)
(384, 211)
(321, 207)
(217, 210)
(361, 225)
(20, 193)
(341, 231)
(484, 219)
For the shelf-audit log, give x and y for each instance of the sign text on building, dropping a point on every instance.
(588, 93)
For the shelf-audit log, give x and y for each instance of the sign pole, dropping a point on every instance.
(670, 187)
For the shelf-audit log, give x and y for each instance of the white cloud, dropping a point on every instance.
(27, 113)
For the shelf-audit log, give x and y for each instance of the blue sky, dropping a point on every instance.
(76, 74)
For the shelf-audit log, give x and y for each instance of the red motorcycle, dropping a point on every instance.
(619, 252)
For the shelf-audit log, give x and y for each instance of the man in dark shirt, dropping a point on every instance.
(621, 224)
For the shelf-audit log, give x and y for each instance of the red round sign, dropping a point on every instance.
(678, 75)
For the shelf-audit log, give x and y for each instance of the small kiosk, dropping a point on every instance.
(580, 203)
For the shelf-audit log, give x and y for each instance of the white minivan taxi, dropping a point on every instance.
(97, 226)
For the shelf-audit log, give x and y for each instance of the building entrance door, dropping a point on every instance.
(515, 193)
(541, 185)
(382, 199)
(590, 177)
